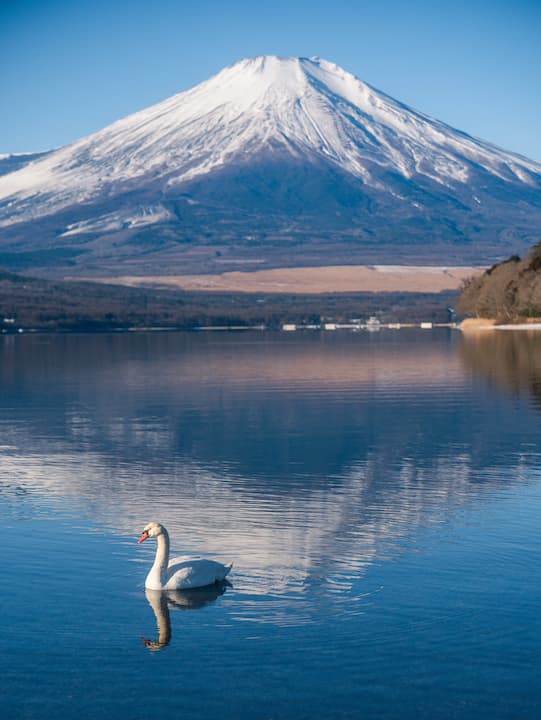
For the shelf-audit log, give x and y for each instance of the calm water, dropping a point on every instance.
(378, 493)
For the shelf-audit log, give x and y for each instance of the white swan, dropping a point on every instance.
(182, 572)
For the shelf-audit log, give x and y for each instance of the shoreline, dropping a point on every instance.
(471, 325)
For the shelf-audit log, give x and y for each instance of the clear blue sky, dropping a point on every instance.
(71, 67)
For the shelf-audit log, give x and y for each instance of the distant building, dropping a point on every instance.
(373, 323)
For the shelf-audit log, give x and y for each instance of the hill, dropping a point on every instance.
(507, 292)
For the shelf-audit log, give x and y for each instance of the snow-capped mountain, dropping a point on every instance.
(278, 160)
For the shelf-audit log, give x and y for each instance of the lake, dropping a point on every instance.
(379, 494)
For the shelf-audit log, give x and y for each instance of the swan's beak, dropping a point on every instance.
(143, 537)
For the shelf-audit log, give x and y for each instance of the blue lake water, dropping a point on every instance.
(378, 493)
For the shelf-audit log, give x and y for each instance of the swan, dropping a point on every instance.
(182, 573)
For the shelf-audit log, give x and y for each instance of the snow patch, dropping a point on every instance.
(119, 221)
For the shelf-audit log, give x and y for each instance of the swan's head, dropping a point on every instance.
(152, 530)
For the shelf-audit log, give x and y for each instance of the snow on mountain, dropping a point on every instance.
(15, 161)
(265, 112)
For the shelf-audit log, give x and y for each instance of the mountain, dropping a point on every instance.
(277, 161)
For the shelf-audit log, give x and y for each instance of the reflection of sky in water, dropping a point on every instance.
(303, 459)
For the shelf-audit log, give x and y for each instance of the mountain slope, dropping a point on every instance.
(276, 160)
(12, 162)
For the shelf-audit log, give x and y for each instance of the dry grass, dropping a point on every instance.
(314, 280)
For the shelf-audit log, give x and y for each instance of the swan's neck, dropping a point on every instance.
(158, 572)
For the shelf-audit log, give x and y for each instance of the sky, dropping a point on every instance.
(71, 67)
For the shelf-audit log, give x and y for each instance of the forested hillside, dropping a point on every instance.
(508, 291)
(38, 304)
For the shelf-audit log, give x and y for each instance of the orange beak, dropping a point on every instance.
(143, 537)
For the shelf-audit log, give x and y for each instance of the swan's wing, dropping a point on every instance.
(181, 560)
(189, 572)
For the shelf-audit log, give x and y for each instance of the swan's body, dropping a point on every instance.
(180, 573)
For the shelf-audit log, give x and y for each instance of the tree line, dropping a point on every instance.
(49, 305)
(507, 292)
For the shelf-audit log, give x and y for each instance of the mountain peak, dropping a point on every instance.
(250, 80)
(251, 106)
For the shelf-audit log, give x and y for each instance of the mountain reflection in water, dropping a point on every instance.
(304, 459)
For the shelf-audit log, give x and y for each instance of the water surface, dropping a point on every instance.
(378, 493)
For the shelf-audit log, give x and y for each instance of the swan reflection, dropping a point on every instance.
(162, 601)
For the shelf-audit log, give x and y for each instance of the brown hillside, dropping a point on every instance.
(507, 292)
